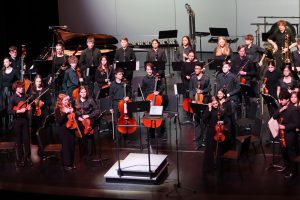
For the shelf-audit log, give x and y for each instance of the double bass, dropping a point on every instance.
(155, 100)
(125, 124)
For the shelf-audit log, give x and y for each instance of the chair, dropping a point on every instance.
(48, 146)
(171, 109)
(255, 131)
(8, 147)
(241, 152)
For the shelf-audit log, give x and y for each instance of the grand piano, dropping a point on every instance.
(73, 42)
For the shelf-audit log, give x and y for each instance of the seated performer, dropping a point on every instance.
(87, 112)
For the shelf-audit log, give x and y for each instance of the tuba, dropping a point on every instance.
(286, 57)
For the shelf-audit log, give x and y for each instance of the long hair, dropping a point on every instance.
(77, 102)
(34, 86)
(219, 49)
(59, 100)
(100, 65)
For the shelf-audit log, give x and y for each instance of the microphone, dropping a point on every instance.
(55, 27)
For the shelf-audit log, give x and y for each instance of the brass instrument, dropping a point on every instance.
(286, 57)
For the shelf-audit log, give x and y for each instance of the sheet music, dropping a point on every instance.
(175, 89)
(273, 126)
(156, 110)
(137, 65)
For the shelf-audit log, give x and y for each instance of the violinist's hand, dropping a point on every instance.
(156, 92)
(81, 80)
(126, 98)
(28, 107)
(260, 63)
(106, 80)
(209, 106)
(220, 122)
(284, 50)
(242, 73)
(111, 110)
(50, 81)
(80, 119)
(281, 126)
(275, 48)
(85, 116)
(188, 77)
(22, 110)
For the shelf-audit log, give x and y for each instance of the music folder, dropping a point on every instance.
(138, 106)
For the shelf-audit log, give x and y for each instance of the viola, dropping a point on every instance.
(219, 131)
(156, 100)
(38, 110)
(87, 127)
(72, 124)
(282, 138)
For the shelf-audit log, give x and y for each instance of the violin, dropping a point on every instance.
(72, 124)
(125, 124)
(88, 130)
(156, 100)
(219, 129)
(241, 78)
(199, 97)
(282, 138)
(265, 89)
(38, 110)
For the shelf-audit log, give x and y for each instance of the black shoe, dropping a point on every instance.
(282, 169)
(289, 175)
(68, 168)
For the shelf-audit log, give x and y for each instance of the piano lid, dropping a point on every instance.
(72, 40)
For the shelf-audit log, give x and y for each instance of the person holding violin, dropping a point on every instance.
(151, 84)
(64, 117)
(119, 91)
(104, 74)
(7, 77)
(40, 106)
(18, 107)
(72, 76)
(199, 92)
(217, 120)
(288, 116)
(86, 112)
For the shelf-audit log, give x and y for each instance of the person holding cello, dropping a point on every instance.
(87, 112)
(152, 86)
(66, 126)
(199, 92)
(119, 92)
(18, 107)
(217, 120)
(40, 107)
(72, 77)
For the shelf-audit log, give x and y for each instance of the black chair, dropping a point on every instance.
(241, 152)
(49, 145)
(255, 132)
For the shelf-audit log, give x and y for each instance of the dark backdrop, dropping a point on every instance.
(27, 23)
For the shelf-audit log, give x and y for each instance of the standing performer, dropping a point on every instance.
(18, 107)
(14, 58)
(124, 54)
(182, 51)
(296, 59)
(87, 112)
(282, 41)
(64, 117)
(88, 62)
(287, 81)
(188, 68)
(7, 77)
(40, 107)
(288, 116)
(157, 54)
(199, 92)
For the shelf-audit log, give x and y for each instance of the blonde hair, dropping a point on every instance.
(226, 50)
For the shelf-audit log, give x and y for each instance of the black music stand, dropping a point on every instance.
(176, 66)
(127, 65)
(201, 34)
(270, 100)
(167, 35)
(139, 106)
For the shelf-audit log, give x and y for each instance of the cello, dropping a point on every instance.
(155, 100)
(125, 124)
(75, 92)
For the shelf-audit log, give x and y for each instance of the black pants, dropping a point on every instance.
(67, 138)
(21, 130)
(291, 151)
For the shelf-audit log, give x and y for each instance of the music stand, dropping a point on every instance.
(157, 65)
(176, 66)
(138, 106)
(103, 93)
(126, 66)
(270, 100)
(167, 35)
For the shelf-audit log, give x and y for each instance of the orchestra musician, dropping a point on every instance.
(124, 54)
(182, 51)
(255, 53)
(282, 41)
(40, 107)
(62, 110)
(157, 54)
(117, 93)
(188, 68)
(199, 92)
(18, 108)
(59, 65)
(71, 79)
(87, 112)
(7, 77)
(14, 58)
(295, 58)
(288, 115)
(287, 81)
(89, 61)
(214, 115)
(148, 86)
(228, 81)
(104, 74)
(222, 50)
